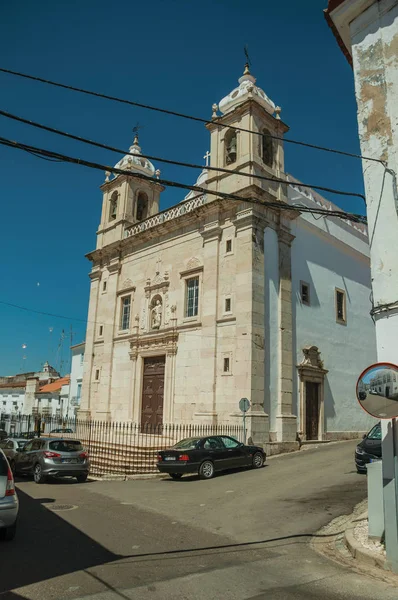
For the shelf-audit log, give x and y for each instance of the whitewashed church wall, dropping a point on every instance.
(326, 264)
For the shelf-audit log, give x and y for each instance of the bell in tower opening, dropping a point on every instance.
(230, 147)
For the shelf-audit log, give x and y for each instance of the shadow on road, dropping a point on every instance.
(45, 546)
(195, 477)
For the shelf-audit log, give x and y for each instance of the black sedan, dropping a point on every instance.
(207, 455)
(369, 449)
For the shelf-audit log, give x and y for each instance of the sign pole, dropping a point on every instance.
(244, 405)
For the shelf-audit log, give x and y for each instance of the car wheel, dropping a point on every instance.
(38, 474)
(258, 460)
(9, 533)
(175, 475)
(206, 470)
(82, 478)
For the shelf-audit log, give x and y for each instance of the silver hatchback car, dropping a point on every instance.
(53, 457)
(8, 501)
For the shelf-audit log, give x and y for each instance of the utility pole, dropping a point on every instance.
(368, 33)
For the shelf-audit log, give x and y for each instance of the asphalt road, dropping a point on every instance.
(241, 536)
(381, 406)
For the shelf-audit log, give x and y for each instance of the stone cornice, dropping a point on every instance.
(211, 233)
(110, 185)
(285, 236)
(234, 117)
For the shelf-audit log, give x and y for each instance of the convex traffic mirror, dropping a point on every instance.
(377, 390)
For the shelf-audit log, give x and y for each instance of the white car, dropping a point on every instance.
(8, 501)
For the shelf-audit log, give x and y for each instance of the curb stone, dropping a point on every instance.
(358, 552)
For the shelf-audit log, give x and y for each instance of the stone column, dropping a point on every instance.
(84, 411)
(211, 234)
(286, 422)
(249, 367)
(109, 314)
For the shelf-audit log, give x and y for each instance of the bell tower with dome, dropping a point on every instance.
(247, 107)
(128, 199)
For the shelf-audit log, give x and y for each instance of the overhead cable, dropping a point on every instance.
(276, 205)
(169, 161)
(174, 113)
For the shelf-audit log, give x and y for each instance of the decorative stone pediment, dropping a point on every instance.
(312, 360)
(193, 263)
(150, 343)
(159, 283)
(127, 284)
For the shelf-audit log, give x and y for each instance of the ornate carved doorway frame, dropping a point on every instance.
(311, 371)
(151, 346)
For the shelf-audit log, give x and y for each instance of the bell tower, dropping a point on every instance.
(128, 199)
(252, 151)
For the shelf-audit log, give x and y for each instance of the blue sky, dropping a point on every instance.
(179, 55)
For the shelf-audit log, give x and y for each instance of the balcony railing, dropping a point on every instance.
(167, 215)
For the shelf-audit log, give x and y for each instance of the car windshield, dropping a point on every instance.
(3, 465)
(66, 446)
(375, 433)
(3, 444)
(187, 444)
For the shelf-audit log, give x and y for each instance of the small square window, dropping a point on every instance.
(104, 286)
(341, 316)
(97, 374)
(226, 364)
(305, 293)
(228, 246)
(101, 330)
(227, 304)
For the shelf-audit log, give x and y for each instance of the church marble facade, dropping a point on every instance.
(218, 298)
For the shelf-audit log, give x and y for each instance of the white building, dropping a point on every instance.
(76, 378)
(216, 299)
(13, 390)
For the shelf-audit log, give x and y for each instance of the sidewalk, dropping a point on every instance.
(345, 540)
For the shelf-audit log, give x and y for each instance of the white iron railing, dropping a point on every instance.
(166, 215)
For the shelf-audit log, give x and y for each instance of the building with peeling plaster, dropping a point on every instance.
(367, 32)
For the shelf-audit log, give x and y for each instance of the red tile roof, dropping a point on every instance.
(13, 384)
(55, 386)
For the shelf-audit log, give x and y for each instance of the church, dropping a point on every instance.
(220, 298)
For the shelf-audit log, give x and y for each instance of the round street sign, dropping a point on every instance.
(244, 404)
(377, 390)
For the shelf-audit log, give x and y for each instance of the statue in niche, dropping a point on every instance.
(156, 315)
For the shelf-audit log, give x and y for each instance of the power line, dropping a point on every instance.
(277, 204)
(184, 115)
(111, 324)
(169, 161)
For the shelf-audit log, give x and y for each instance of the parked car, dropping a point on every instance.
(10, 448)
(8, 500)
(62, 431)
(369, 449)
(27, 435)
(53, 457)
(207, 455)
